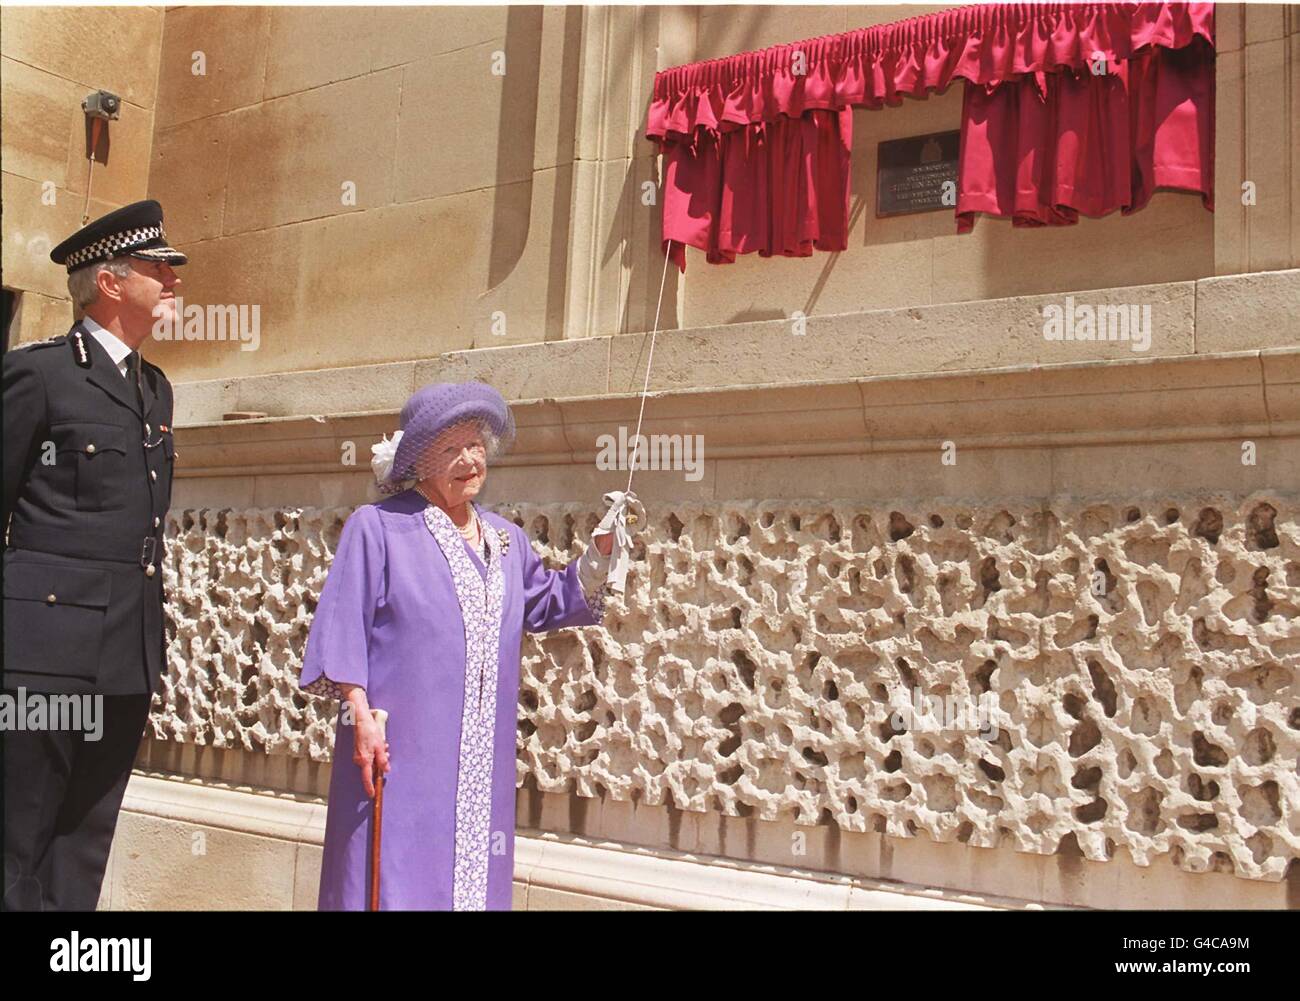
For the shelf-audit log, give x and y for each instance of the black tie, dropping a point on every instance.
(133, 375)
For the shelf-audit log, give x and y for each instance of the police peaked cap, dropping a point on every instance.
(134, 230)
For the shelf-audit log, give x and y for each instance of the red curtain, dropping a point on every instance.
(1045, 151)
(756, 146)
(779, 187)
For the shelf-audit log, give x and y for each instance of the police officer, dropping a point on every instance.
(88, 459)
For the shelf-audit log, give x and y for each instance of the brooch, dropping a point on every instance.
(504, 536)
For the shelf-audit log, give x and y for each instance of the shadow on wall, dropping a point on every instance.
(512, 203)
(562, 205)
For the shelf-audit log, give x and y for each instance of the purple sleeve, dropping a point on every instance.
(339, 640)
(553, 599)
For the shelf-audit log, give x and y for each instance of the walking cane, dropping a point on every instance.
(377, 818)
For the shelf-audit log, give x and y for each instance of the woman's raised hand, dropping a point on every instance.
(624, 512)
(612, 539)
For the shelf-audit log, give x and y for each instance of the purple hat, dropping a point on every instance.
(435, 407)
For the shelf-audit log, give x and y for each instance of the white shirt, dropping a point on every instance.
(110, 342)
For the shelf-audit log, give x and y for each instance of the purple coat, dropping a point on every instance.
(412, 614)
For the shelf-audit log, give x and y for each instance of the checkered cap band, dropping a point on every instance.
(114, 244)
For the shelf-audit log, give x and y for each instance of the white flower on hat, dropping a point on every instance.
(382, 454)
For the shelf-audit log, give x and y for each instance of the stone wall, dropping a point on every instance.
(1142, 658)
(50, 59)
(402, 176)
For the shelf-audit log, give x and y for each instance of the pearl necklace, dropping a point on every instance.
(471, 532)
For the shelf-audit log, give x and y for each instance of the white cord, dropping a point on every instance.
(631, 467)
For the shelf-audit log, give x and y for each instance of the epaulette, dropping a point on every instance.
(39, 344)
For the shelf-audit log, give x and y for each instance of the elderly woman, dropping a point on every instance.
(422, 615)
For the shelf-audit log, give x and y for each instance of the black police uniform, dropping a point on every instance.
(88, 461)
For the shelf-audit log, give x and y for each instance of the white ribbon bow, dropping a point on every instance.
(382, 455)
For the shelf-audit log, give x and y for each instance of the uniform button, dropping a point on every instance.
(50, 598)
(155, 523)
(146, 430)
(90, 449)
(153, 474)
(148, 571)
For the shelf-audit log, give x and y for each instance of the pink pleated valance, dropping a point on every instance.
(986, 43)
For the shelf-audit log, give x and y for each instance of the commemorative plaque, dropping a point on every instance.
(911, 174)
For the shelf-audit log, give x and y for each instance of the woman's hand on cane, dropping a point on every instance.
(370, 749)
